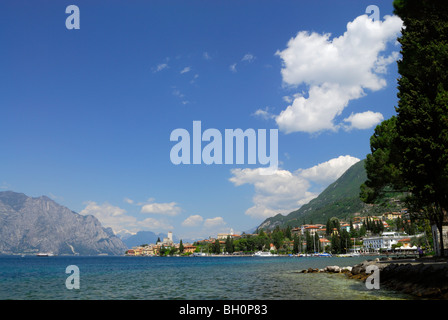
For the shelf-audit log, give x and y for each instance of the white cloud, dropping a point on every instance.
(129, 201)
(383, 62)
(329, 171)
(336, 71)
(287, 99)
(200, 228)
(195, 77)
(185, 70)
(193, 221)
(109, 215)
(264, 113)
(317, 112)
(285, 191)
(169, 209)
(160, 67)
(214, 222)
(155, 224)
(118, 219)
(364, 120)
(248, 57)
(276, 193)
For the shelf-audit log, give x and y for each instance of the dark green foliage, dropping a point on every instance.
(229, 245)
(216, 247)
(383, 173)
(411, 150)
(278, 237)
(374, 226)
(422, 125)
(181, 246)
(296, 246)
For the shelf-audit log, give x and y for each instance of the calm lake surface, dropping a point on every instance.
(169, 278)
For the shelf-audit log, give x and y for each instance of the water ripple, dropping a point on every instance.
(176, 278)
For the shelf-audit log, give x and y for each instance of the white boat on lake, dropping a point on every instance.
(43, 254)
(199, 254)
(264, 254)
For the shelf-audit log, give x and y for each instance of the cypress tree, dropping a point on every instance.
(181, 246)
(422, 112)
(409, 151)
(296, 244)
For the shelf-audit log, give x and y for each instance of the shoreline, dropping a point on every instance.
(424, 278)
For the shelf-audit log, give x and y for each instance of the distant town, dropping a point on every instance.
(392, 232)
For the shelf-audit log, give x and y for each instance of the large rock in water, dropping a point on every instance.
(30, 225)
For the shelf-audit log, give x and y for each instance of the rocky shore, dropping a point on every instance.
(424, 278)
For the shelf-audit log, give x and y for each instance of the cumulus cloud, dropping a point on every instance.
(232, 67)
(129, 201)
(169, 209)
(364, 120)
(214, 222)
(155, 224)
(109, 215)
(329, 171)
(276, 193)
(335, 71)
(199, 228)
(193, 221)
(285, 191)
(119, 220)
(264, 114)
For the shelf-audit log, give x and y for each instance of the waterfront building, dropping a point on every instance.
(312, 228)
(384, 241)
(231, 234)
(387, 240)
(168, 241)
(189, 249)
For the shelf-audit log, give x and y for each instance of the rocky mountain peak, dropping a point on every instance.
(29, 225)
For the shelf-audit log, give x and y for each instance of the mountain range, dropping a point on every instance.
(32, 225)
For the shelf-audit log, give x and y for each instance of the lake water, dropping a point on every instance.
(170, 278)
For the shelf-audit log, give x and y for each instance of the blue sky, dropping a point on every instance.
(86, 115)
